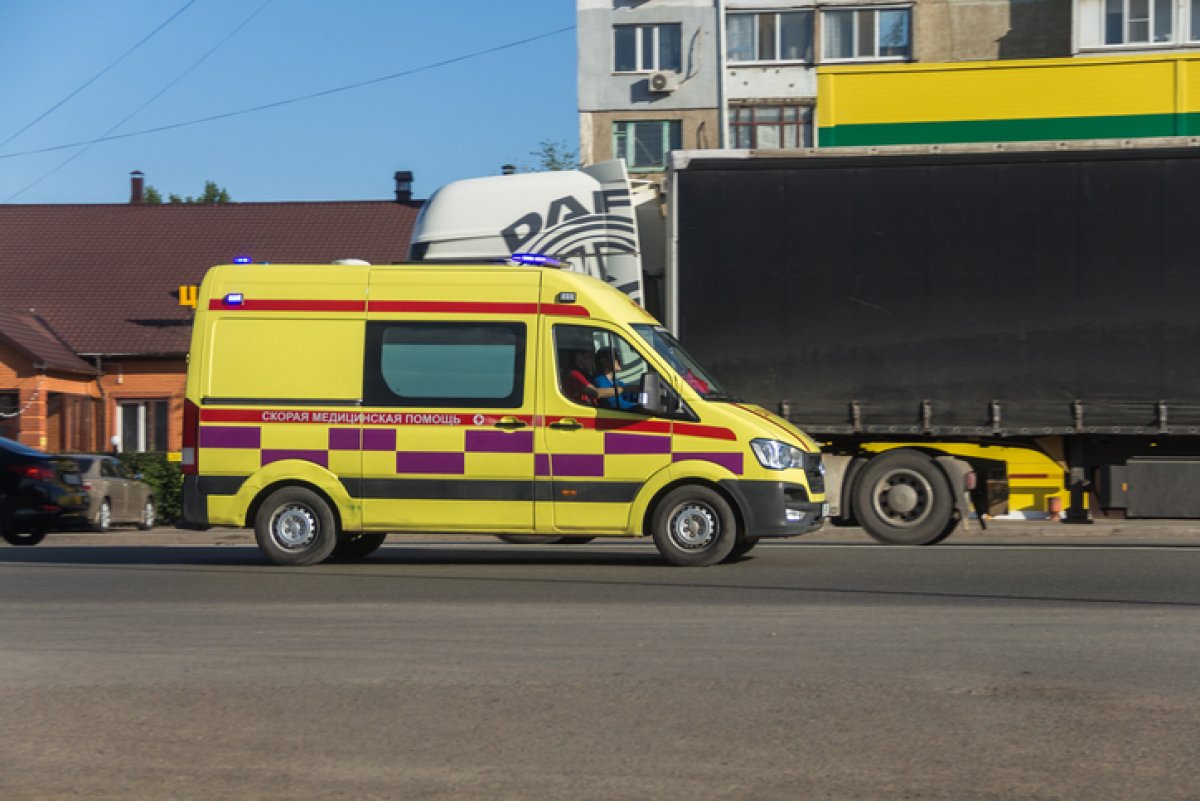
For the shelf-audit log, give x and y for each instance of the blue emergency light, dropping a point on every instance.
(241, 259)
(235, 299)
(536, 260)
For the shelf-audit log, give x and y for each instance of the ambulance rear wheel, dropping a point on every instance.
(294, 526)
(693, 526)
(358, 544)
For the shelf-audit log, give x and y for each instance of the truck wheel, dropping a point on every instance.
(694, 526)
(742, 547)
(541, 539)
(294, 526)
(902, 498)
(358, 544)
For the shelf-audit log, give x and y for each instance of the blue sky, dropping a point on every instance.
(457, 120)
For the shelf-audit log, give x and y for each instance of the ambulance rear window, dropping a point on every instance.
(446, 365)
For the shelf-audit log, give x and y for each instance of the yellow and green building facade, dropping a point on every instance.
(1056, 99)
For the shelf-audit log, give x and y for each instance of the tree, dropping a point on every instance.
(213, 195)
(554, 155)
(151, 197)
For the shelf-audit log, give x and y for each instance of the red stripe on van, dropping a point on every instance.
(398, 306)
(451, 306)
(231, 415)
(704, 432)
(473, 307)
(565, 309)
(264, 304)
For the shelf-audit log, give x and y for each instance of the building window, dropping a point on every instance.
(644, 48)
(867, 33)
(1138, 21)
(8, 415)
(142, 425)
(770, 36)
(1121, 23)
(763, 127)
(645, 144)
(450, 365)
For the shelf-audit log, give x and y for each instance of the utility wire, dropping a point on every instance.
(95, 77)
(298, 99)
(139, 109)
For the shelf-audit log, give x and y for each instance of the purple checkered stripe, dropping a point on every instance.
(455, 462)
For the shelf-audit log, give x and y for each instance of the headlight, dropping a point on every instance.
(775, 455)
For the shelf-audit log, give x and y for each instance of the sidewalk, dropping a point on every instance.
(999, 532)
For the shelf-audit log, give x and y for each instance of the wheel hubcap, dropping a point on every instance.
(694, 526)
(294, 527)
(903, 498)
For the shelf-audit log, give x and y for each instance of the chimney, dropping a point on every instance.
(137, 183)
(404, 180)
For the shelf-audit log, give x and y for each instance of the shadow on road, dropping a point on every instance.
(757, 577)
(399, 554)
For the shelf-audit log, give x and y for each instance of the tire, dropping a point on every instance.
(295, 527)
(24, 537)
(693, 526)
(149, 516)
(103, 517)
(358, 544)
(902, 498)
(541, 539)
(743, 546)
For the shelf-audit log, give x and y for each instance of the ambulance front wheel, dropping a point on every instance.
(294, 526)
(694, 526)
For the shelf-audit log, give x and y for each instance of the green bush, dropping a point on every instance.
(163, 476)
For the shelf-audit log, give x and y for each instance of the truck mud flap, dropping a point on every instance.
(961, 476)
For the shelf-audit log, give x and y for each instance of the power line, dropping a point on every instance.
(139, 109)
(95, 77)
(298, 99)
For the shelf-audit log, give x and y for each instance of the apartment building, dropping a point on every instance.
(657, 75)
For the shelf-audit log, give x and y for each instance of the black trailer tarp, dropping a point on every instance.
(949, 293)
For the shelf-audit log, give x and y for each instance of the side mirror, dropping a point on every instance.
(656, 396)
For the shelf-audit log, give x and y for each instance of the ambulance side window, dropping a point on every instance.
(592, 362)
(447, 365)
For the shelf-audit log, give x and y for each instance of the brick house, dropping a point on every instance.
(94, 315)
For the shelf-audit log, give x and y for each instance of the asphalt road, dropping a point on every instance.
(1030, 663)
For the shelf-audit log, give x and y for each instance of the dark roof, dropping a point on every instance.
(106, 277)
(35, 340)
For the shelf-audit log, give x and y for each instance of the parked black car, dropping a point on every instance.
(37, 493)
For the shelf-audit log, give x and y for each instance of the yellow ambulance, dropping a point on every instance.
(330, 404)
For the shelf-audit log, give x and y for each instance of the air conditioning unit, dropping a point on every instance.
(663, 82)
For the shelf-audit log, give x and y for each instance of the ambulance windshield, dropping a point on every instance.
(688, 368)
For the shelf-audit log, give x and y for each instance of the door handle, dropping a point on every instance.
(568, 423)
(509, 422)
